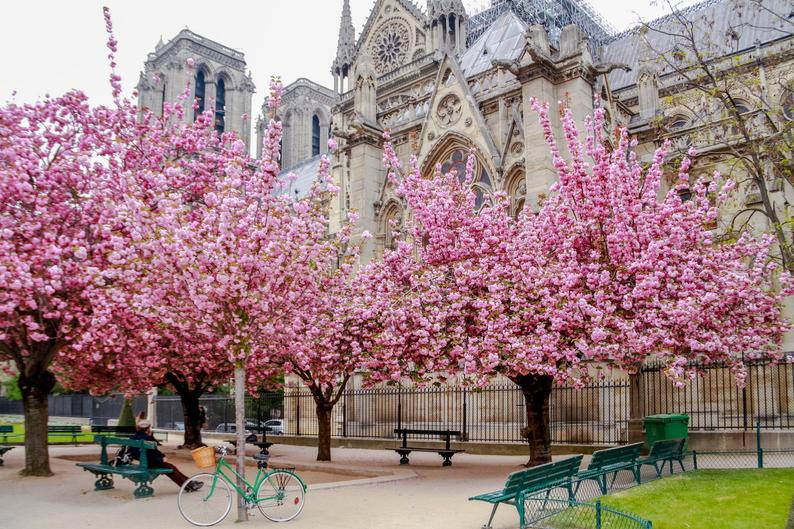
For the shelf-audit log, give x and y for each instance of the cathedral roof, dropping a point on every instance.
(305, 173)
(502, 40)
(754, 24)
(552, 14)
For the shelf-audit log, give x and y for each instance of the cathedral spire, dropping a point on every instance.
(345, 48)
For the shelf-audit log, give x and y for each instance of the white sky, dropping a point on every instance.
(50, 46)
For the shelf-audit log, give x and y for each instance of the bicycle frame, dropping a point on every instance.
(261, 476)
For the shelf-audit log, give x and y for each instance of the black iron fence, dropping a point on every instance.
(714, 402)
(597, 414)
(99, 410)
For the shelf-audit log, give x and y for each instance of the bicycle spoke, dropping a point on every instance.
(210, 504)
(280, 496)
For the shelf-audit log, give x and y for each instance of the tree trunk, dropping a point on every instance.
(239, 416)
(34, 390)
(537, 393)
(324, 412)
(190, 412)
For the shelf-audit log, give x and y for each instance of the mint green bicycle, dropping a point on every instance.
(278, 494)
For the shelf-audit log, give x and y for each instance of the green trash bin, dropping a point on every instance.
(666, 426)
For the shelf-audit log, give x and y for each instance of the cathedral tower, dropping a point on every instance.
(217, 80)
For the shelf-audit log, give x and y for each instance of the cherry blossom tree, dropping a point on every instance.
(56, 223)
(336, 327)
(605, 276)
(229, 266)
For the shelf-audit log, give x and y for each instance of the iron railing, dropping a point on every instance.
(99, 410)
(714, 402)
(596, 414)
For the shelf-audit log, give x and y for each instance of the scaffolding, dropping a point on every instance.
(552, 14)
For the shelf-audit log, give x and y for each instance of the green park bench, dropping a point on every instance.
(139, 474)
(611, 461)
(65, 431)
(114, 431)
(6, 431)
(668, 450)
(446, 453)
(3, 450)
(542, 478)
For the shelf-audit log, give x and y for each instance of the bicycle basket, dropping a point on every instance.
(204, 456)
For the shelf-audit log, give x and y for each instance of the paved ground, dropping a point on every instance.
(378, 494)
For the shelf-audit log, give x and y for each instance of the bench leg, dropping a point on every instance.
(1, 461)
(681, 462)
(543, 508)
(493, 512)
(576, 489)
(105, 482)
(447, 460)
(602, 483)
(404, 457)
(143, 490)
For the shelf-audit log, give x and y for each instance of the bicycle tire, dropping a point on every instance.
(286, 493)
(215, 502)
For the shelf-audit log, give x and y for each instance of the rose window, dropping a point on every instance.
(390, 46)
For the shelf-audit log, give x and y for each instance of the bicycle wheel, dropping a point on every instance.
(207, 506)
(280, 497)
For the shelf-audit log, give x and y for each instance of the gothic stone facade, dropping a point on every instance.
(441, 82)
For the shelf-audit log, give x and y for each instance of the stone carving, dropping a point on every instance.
(391, 45)
(449, 110)
(517, 148)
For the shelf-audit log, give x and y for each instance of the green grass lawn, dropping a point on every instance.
(712, 499)
(19, 437)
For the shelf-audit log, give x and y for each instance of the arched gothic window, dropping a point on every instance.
(200, 97)
(391, 224)
(220, 105)
(481, 184)
(679, 122)
(517, 190)
(315, 135)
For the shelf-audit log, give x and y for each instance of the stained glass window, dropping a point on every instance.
(220, 106)
(456, 162)
(315, 135)
(201, 87)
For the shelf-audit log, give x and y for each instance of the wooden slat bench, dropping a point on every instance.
(139, 474)
(446, 453)
(113, 431)
(3, 450)
(65, 431)
(611, 461)
(539, 479)
(668, 450)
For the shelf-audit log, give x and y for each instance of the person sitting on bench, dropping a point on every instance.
(156, 459)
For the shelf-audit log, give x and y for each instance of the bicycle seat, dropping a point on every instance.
(261, 457)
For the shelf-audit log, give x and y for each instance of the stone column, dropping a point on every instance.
(151, 407)
(366, 178)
